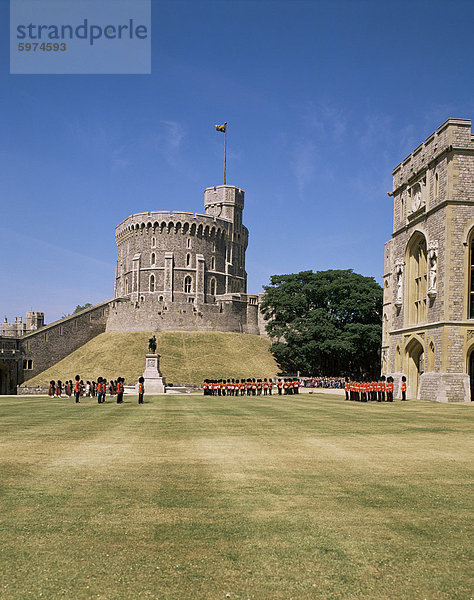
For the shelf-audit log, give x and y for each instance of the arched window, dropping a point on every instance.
(188, 260)
(188, 243)
(153, 259)
(213, 286)
(213, 263)
(152, 283)
(188, 284)
(153, 242)
(470, 302)
(416, 289)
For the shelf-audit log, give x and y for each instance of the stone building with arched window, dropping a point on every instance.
(429, 268)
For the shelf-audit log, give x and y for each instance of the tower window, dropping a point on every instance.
(471, 284)
(188, 260)
(188, 284)
(436, 185)
(188, 243)
(213, 286)
(153, 242)
(213, 263)
(417, 281)
(153, 259)
(152, 283)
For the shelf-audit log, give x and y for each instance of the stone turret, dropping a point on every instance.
(184, 270)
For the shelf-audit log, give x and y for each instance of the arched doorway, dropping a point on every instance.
(4, 379)
(415, 367)
(470, 366)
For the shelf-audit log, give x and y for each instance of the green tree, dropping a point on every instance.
(325, 322)
(79, 307)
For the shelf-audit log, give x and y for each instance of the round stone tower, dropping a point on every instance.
(184, 257)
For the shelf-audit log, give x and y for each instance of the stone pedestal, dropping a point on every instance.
(154, 382)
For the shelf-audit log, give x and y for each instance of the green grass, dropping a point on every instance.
(186, 357)
(189, 497)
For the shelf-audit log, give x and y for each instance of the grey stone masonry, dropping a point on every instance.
(429, 268)
(44, 347)
(185, 271)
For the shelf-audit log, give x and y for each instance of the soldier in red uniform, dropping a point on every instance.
(389, 389)
(296, 386)
(141, 389)
(404, 387)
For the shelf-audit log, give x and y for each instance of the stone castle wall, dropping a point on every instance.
(237, 313)
(45, 347)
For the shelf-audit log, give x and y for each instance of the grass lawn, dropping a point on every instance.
(188, 497)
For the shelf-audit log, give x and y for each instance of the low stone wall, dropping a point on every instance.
(33, 390)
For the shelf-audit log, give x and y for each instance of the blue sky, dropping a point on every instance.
(323, 100)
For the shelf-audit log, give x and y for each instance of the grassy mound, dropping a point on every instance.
(186, 357)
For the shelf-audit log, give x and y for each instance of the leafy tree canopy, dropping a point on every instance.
(79, 307)
(325, 322)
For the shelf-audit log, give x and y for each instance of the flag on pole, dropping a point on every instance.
(222, 128)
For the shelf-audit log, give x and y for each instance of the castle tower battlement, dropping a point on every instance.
(175, 263)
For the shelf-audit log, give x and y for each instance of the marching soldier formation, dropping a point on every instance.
(380, 390)
(372, 391)
(249, 387)
(94, 389)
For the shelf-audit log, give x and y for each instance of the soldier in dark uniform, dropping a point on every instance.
(120, 381)
(77, 389)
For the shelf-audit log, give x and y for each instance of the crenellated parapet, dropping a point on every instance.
(173, 222)
(452, 134)
(434, 174)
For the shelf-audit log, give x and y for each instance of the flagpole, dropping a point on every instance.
(225, 151)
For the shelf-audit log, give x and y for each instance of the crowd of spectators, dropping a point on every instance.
(322, 382)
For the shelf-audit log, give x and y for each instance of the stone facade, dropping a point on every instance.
(10, 365)
(428, 322)
(34, 320)
(185, 271)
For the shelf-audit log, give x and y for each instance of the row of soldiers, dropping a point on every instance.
(375, 391)
(249, 387)
(99, 389)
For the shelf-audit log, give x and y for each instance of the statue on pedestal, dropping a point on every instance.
(152, 344)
